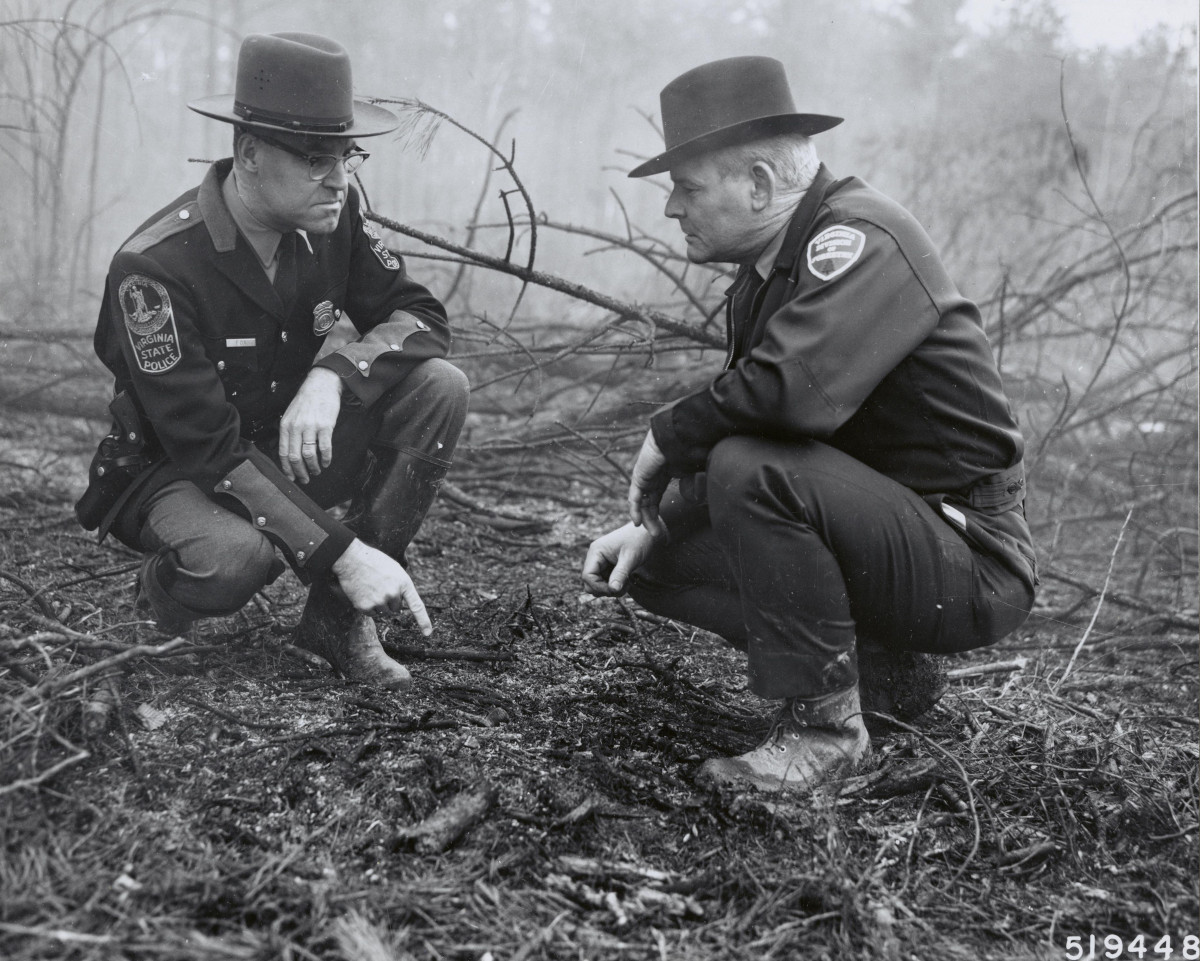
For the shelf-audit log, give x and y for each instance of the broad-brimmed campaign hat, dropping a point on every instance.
(727, 102)
(298, 83)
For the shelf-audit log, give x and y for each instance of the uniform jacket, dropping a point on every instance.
(859, 339)
(213, 352)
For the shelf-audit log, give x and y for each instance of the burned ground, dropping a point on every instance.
(225, 796)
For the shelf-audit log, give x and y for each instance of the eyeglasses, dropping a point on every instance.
(320, 165)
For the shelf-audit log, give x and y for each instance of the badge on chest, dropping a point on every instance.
(325, 315)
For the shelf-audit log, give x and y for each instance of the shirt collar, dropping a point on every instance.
(766, 260)
(797, 231)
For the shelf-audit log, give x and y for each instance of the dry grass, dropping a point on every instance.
(243, 803)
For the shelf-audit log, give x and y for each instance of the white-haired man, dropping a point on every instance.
(850, 485)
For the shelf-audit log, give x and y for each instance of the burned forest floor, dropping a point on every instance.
(225, 796)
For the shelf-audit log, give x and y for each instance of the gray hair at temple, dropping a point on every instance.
(793, 157)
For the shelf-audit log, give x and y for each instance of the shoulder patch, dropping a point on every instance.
(150, 324)
(386, 257)
(177, 221)
(834, 250)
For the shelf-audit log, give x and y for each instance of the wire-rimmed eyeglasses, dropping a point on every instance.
(320, 165)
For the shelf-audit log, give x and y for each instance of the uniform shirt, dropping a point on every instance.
(214, 352)
(859, 338)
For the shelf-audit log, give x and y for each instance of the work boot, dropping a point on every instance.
(810, 742)
(387, 512)
(392, 503)
(158, 616)
(348, 640)
(902, 684)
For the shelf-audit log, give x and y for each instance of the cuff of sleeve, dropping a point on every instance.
(377, 361)
(342, 366)
(684, 452)
(353, 379)
(308, 536)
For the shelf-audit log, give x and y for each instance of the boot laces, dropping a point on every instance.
(785, 724)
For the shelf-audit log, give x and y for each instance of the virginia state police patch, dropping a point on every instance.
(834, 250)
(150, 323)
(379, 250)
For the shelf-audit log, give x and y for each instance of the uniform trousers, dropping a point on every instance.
(203, 560)
(806, 552)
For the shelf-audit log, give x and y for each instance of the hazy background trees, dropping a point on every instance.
(1060, 184)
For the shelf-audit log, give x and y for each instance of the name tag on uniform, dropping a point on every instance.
(240, 341)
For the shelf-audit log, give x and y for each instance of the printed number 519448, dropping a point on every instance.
(1114, 947)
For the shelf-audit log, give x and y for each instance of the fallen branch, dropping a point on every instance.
(1180, 620)
(35, 595)
(893, 780)
(1147, 644)
(44, 776)
(998, 667)
(458, 496)
(449, 822)
(54, 685)
(552, 282)
(406, 652)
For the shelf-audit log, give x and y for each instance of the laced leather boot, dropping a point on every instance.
(810, 742)
(387, 512)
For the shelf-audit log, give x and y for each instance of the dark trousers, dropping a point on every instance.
(807, 551)
(214, 560)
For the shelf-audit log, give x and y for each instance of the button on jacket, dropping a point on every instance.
(214, 352)
(859, 338)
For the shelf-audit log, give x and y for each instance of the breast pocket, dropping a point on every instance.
(239, 365)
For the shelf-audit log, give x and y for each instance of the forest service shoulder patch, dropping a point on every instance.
(834, 250)
(150, 323)
(379, 250)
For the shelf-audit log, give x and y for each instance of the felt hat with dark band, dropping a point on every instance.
(300, 83)
(727, 102)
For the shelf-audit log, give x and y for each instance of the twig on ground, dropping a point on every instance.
(966, 780)
(997, 667)
(234, 719)
(1112, 560)
(449, 822)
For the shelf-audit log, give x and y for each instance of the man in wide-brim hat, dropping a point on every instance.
(850, 490)
(231, 439)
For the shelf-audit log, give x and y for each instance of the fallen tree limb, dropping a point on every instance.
(998, 667)
(551, 282)
(1122, 600)
(449, 822)
(410, 653)
(54, 685)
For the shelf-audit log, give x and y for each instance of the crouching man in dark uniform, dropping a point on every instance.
(231, 438)
(849, 487)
